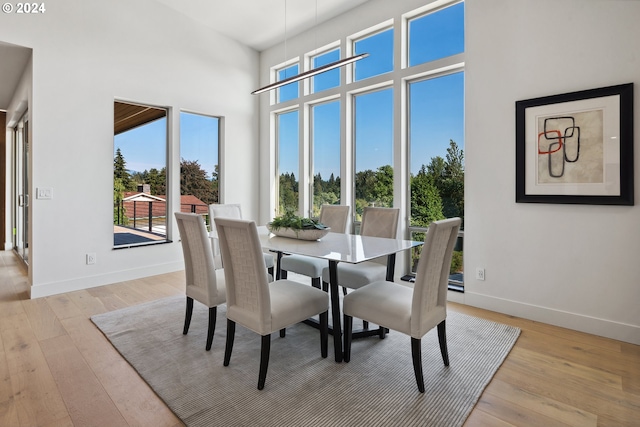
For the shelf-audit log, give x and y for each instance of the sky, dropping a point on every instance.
(144, 147)
(436, 106)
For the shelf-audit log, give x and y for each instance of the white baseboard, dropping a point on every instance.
(54, 288)
(578, 322)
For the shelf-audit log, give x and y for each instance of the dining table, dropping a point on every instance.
(337, 248)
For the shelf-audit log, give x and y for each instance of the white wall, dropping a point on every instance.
(85, 54)
(570, 265)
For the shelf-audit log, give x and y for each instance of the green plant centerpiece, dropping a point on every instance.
(291, 225)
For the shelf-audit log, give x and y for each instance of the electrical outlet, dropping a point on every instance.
(91, 258)
(479, 273)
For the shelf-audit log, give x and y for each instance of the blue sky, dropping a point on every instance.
(144, 147)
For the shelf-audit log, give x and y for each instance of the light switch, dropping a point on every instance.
(44, 193)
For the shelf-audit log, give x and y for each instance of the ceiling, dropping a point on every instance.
(14, 60)
(260, 24)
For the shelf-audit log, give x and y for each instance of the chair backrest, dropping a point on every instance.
(432, 275)
(335, 217)
(198, 258)
(248, 299)
(221, 211)
(380, 222)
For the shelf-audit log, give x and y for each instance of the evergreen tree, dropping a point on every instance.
(120, 171)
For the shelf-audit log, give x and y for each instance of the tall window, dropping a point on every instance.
(436, 136)
(139, 174)
(199, 168)
(436, 35)
(379, 46)
(326, 155)
(288, 161)
(373, 119)
(290, 91)
(328, 79)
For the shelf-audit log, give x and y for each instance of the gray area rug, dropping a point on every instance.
(377, 388)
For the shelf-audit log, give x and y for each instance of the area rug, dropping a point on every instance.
(376, 388)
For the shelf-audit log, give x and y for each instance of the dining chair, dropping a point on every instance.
(335, 217)
(412, 311)
(205, 283)
(230, 211)
(376, 222)
(255, 303)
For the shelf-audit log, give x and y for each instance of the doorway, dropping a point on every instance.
(21, 197)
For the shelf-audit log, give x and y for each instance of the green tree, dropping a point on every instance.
(426, 204)
(193, 180)
(120, 171)
(215, 184)
(288, 193)
(119, 217)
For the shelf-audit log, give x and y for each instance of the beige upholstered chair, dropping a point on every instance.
(230, 211)
(257, 304)
(376, 222)
(411, 311)
(335, 217)
(204, 283)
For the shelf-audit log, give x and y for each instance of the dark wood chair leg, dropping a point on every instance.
(325, 286)
(365, 324)
(416, 355)
(344, 290)
(442, 339)
(187, 316)
(270, 271)
(265, 349)
(213, 311)
(315, 282)
(283, 332)
(231, 331)
(348, 335)
(283, 274)
(324, 333)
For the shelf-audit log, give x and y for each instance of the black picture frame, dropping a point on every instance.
(576, 147)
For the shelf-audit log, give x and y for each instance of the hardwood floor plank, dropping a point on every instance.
(8, 413)
(63, 306)
(136, 401)
(547, 365)
(511, 413)
(547, 407)
(36, 397)
(43, 320)
(569, 390)
(479, 418)
(87, 303)
(86, 400)
(107, 298)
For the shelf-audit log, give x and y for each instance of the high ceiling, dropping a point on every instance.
(260, 24)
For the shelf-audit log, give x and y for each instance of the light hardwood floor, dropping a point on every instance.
(57, 369)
